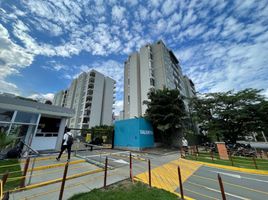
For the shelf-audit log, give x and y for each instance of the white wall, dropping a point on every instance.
(107, 108)
(97, 98)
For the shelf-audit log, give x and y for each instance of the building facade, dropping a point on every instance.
(154, 66)
(91, 95)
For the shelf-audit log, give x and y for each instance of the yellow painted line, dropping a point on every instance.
(56, 180)
(44, 158)
(56, 165)
(254, 171)
(166, 176)
(46, 173)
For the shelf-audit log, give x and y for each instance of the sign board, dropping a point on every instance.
(88, 137)
(222, 150)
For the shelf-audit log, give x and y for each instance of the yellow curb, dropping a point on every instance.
(56, 180)
(255, 171)
(56, 165)
(43, 158)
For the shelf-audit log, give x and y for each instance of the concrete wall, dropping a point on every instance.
(107, 106)
(135, 109)
(97, 99)
(145, 75)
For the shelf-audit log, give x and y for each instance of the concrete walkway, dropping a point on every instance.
(53, 170)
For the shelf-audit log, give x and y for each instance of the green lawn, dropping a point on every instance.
(126, 191)
(242, 162)
(14, 167)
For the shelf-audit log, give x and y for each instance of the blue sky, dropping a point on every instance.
(44, 44)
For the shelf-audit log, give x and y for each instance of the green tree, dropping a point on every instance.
(228, 115)
(5, 140)
(166, 111)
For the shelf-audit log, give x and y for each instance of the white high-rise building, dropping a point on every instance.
(91, 95)
(154, 66)
(60, 98)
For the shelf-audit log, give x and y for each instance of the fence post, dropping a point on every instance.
(211, 155)
(254, 160)
(197, 150)
(180, 182)
(221, 187)
(63, 180)
(105, 171)
(22, 183)
(150, 178)
(130, 167)
(4, 179)
(1, 189)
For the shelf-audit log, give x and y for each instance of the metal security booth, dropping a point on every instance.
(40, 126)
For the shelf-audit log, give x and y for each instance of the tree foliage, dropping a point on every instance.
(165, 109)
(228, 115)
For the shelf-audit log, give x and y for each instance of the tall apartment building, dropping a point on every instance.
(60, 98)
(154, 66)
(91, 95)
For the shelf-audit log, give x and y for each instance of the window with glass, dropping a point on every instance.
(24, 117)
(6, 115)
(4, 127)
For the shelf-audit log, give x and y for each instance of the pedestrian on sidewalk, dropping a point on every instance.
(184, 145)
(67, 143)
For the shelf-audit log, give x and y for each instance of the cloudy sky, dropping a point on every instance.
(222, 45)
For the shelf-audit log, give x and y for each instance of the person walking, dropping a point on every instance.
(66, 144)
(184, 145)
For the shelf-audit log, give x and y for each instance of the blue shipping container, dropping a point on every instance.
(133, 134)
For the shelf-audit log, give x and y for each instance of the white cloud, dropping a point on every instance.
(40, 96)
(118, 13)
(118, 106)
(12, 59)
(169, 6)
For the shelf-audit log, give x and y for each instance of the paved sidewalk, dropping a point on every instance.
(119, 172)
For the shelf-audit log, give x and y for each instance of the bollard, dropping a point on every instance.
(221, 187)
(105, 171)
(22, 183)
(130, 167)
(231, 158)
(180, 182)
(211, 155)
(254, 161)
(150, 178)
(63, 181)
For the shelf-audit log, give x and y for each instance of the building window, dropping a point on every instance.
(128, 99)
(24, 117)
(6, 115)
(151, 81)
(4, 127)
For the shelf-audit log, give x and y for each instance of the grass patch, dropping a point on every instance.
(126, 191)
(242, 162)
(15, 166)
